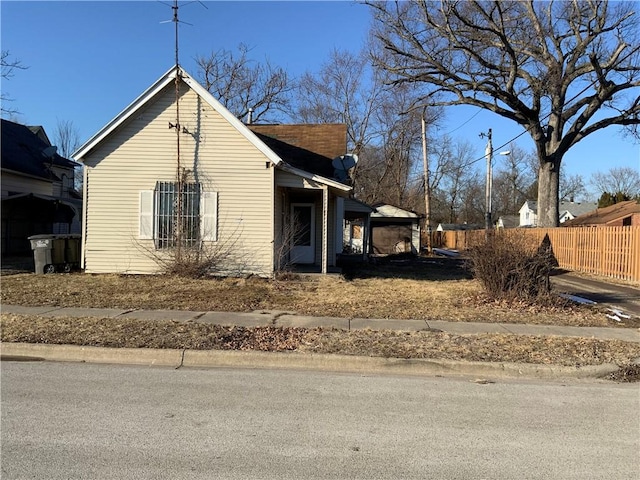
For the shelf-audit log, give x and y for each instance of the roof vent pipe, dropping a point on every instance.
(250, 116)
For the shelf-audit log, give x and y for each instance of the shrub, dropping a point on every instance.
(510, 267)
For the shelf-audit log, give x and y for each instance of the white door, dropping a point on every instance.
(303, 221)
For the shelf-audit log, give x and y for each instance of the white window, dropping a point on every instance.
(173, 213)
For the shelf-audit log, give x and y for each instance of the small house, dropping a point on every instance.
(176, 170)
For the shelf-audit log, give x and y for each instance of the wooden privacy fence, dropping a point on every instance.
(607, 251)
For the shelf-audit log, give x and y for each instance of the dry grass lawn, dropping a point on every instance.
(455, 299)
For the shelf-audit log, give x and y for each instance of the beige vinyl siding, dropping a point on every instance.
(143, 151)
(15, 183)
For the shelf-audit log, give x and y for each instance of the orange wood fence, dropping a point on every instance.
(607, 251)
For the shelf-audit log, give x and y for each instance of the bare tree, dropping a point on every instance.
(561, 69)
(8, 66)
(624, 180)
(512, 182)
(67, 138)
(572, 187)
(453, 176)
(388, 170)
(345, 90)
(472, 205)
(243, 85)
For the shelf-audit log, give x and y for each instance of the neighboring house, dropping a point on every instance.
(38, 195)
(571, 210)
(566, 210)
(394, 230)
(617, 215)
(508, 221)
(529, 214)
(244, 191)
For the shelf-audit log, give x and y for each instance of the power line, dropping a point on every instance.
(467, 121)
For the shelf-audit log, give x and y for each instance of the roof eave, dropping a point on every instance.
(316, 178)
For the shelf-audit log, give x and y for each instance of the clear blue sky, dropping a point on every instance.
(88, 60)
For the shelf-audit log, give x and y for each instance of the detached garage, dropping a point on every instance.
(394, 230)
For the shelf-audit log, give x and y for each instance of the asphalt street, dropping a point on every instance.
(81, 421)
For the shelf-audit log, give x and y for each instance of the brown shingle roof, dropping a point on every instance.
(326, 139)
(308, 147)
(607, 215)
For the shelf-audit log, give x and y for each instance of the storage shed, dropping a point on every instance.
(394, 230)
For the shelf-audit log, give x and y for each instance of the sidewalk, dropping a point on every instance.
(287, 319)
(305, 361)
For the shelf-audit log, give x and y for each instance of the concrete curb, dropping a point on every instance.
(294, 360)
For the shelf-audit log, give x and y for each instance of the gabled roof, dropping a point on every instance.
(603, 216)
(167, 79)
(576, 208)
(23, 151)
(390, 211)
(531, 205)
(39, 131)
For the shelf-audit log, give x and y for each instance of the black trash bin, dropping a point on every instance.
(55, 253)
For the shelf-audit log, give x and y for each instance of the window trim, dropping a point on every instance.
(148, 217)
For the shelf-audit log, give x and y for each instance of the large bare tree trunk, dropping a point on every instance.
(548, 189)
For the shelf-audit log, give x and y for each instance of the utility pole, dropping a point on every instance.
(427, 185)
(489, 156)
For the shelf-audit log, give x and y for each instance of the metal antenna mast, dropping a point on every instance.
(178, 233)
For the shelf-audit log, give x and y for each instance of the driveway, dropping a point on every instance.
(614, 295)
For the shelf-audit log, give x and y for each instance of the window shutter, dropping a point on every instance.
(146, 215)
(209, 216)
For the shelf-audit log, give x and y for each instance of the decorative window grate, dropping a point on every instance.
(177, 218)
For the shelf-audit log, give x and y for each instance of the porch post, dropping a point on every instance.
(325, 227)
(365, 236)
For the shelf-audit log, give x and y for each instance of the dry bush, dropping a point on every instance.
(194, 262)
(509, 268)
(224, 257)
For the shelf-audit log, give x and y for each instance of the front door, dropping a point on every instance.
(303, 248)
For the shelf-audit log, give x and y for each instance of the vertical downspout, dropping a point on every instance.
(85, 202)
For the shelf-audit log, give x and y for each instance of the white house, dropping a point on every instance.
(240, 190)
(567, 211)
